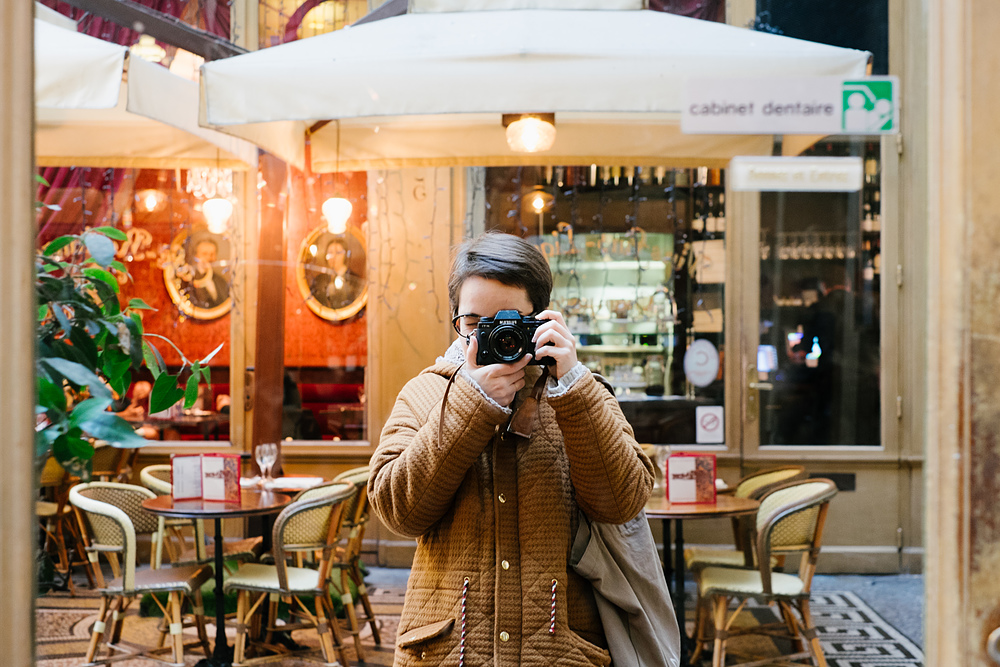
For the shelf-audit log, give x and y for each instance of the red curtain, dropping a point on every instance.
(707, 10)
(68, 185)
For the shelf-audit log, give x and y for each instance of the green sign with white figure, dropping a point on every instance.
(791, 105)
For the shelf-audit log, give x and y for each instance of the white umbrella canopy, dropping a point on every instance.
(429, 87)
(85, 116)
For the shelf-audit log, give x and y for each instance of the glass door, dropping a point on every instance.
(811, 321)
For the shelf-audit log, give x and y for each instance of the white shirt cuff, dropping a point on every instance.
(562, 385)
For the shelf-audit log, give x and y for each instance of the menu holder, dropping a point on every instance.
(205, 477)
(691, 478)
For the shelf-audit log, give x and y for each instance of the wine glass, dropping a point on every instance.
(266, 455)
(660, 456)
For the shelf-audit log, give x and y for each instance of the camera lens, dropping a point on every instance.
(508, 343)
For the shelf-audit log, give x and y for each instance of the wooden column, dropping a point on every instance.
(17, 333)
(269, 363)
(414, 217)
(963, 405)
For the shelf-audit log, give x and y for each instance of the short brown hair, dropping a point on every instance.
(506, 258)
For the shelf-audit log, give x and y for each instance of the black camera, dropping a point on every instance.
(506, 338)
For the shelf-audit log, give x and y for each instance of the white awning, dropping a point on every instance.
(85, 116)
(429, 88)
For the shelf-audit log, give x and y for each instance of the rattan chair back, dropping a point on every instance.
(756, 484)
(311, 523)
(157, 479)
(356, 510)
(790, 520)
(113, 515)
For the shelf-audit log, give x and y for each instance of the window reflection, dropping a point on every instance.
(638, 260)
(820, 268)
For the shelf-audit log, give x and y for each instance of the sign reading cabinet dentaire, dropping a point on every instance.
(791, 105)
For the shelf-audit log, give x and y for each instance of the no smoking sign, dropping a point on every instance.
(709, 425)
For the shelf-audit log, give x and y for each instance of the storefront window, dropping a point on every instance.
(177, 265)
(820, 275)
(326, 293)
(638, 258)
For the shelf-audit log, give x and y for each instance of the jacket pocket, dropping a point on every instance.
(425, 633)
(592, 653)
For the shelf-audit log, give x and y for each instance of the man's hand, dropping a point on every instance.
(501, 382)
(563, 345)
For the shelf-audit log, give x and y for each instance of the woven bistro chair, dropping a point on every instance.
(55, 517)
(790, 521)
(111, 513)
(754, 486)
(112, 464)
(356, 514)
(311, 523)
(156, 478)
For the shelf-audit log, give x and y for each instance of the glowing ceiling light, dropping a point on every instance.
(337, 212)
(217, 212)
(151, 200)
(530, 133)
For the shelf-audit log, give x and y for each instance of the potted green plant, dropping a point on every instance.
(89, 348)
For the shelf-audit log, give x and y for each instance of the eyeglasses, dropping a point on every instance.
(465, 324)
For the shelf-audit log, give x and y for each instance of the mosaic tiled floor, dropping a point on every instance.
(851, 633)
(64, 624)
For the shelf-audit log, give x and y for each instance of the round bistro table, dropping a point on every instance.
(252, 503)
(658, 507)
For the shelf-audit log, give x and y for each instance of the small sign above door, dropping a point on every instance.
(790, 105)
(796, 174)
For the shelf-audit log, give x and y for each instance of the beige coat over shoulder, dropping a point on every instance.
(495, 520)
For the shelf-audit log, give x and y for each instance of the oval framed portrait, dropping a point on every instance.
(196, 273)
(332, 273)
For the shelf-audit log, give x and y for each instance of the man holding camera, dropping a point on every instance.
(487, 459)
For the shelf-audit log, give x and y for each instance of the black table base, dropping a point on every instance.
(222, 654)
(675, 573)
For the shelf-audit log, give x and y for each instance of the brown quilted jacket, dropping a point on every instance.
(495, 520)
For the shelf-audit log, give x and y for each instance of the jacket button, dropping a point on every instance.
(423, 654)
(502, 498)
(504, 636)
(505, 565)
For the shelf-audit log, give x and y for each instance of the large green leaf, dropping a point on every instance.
(165, 394)
(139, 304)
(88, 410)
(153, 359)
(110, 427)
(112, 307)
(204, 362)
(105, 277)
(135, 342)
(79, 375)
(51, 397)
(112, 232)
(68, 449)
(85, 344)
(58, 244)
(57, 310)
(101, 248)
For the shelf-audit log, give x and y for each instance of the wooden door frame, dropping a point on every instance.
(17, 332)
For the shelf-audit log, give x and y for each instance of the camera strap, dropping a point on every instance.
(523, 419)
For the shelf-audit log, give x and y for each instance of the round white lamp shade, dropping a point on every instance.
(218, 211)
(531, 135)
(337, 212)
